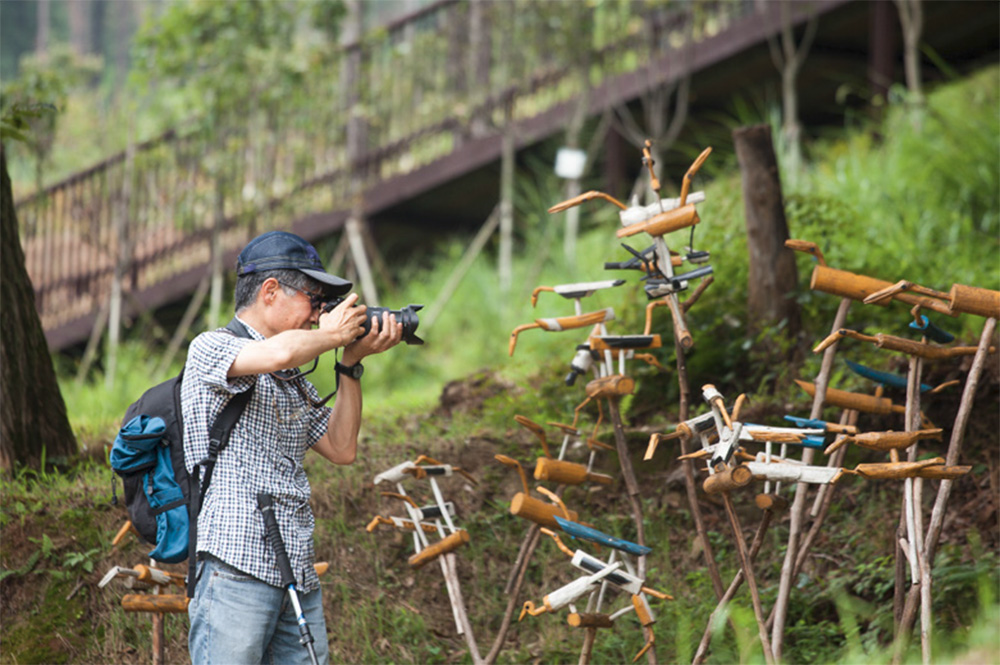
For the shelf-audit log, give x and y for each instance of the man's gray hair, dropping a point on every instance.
(248, 286)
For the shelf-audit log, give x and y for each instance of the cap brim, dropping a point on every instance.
(335, 285)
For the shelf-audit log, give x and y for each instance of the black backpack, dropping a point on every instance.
(162, 501)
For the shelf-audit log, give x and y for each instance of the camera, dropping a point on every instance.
(407, 316)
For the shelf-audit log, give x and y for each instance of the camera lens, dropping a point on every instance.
(406, 316)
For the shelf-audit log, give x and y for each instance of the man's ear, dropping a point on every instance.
(269, 291)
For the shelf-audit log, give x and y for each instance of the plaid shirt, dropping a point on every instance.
(265, 454)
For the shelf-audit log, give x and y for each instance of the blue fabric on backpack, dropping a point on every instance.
(139, 447)
(171, 524)
(134, 448)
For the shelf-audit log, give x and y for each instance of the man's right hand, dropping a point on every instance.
(345, 322)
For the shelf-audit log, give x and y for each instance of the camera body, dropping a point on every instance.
(407, 316)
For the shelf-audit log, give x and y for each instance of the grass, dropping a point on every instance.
(454, 398)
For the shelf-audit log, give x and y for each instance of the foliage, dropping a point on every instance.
(856, 200)
(226, 58)
(38, 96)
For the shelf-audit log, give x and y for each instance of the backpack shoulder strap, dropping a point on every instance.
(218, 440)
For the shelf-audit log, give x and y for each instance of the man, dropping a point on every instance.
(240, 613)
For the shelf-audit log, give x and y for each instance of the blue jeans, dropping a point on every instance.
(236, 618)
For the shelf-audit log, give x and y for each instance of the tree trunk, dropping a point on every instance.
(911, 18)
(773, 275)
(80, 32)
(42, 28)
(33, 412)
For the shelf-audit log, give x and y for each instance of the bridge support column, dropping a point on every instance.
(357, 244)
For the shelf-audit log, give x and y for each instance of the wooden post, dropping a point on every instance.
(216, 276)
(745, 564)
(458, 272)
(122, 261)
(796, 513)
(573, 130)
(908, 614)
(589, 635)
(507, 156)
(182, 328)
(773, 273)
(628, 475)
(448, 564)
(157, 626)
(734, 586)
(360, 257)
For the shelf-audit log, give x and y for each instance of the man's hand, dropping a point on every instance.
(344, 322)
(384, 335)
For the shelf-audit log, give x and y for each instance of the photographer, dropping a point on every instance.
(240, 612)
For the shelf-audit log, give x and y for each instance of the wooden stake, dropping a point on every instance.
(513, 588)
(628, 475)
(632, 489)
(589, 635)
(360, 258)
(734, 586)
(797, 510)
(741, 549)
(157, 626)
(182, 328)
(95, 339)
(908, 614)
(689, 477)
(455, 278)
(448, 565)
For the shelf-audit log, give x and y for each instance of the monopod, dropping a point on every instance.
(273, 535)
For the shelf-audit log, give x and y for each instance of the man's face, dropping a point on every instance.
(300, 309)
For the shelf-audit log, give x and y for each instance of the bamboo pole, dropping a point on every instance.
(157, 626)
(689, 477)
(734, 586)
(455, 278)
(360, 256)
(797, 510)
(908, 613)
(632, 490)
(507, 156)
(745, 564)
(182, 328)
(450, 569)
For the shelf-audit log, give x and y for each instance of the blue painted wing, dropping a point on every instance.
(932, 331)
(582, 532)
(885, 378)
(806, 423)
(813, 442)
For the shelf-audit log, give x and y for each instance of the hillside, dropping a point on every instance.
(891, 203)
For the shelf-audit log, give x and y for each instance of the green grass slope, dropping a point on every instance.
(900, 203)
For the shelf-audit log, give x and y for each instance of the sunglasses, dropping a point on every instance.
(316, 300)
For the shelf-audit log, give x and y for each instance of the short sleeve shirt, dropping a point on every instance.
(266, 451)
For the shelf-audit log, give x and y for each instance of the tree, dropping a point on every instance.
(789, 58)
(235, 64)
(49, 77)
(32, 411)
(911, 18)
(773, 274)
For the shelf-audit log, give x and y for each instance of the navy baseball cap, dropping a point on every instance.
(276, 250)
